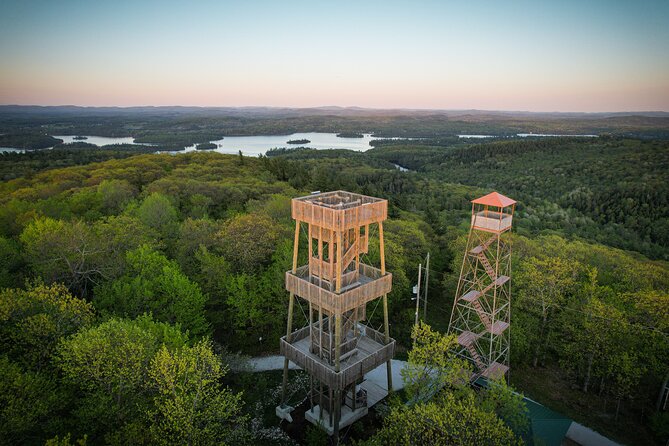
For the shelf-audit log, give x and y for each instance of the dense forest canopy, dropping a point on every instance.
(128, 279)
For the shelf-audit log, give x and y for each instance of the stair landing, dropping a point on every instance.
(496, 370)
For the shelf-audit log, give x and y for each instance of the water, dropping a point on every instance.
(98, 140)
(249, 145)
(526, 135)
(257, 145)
(476, 136)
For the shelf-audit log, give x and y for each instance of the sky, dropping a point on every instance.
(594, 55)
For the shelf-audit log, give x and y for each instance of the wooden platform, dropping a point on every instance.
(496, 370)
(339, 210)
(498, 328)
(369, 354)
(467, 338)
(491, 222)
(371, 284)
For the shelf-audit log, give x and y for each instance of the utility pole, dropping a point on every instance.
(427, 282)
(420, 267)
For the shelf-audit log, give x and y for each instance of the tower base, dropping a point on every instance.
(348, 417)
(374, 392)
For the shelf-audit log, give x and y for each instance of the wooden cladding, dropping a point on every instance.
(339, 210)
(372, 285)
(347, 375)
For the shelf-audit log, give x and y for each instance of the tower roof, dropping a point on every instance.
(495, 199)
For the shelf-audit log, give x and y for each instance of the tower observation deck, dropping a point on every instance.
(336, 348)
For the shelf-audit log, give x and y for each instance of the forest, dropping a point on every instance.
(133, 286)
(173, 128)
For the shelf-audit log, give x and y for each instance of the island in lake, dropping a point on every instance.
(80, 138)
(298, 141)
(206, 146)
(350, 135)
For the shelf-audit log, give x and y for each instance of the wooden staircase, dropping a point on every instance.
(484, 317)
(467, 339)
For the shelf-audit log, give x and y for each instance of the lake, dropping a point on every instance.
(249, 145)
(257, 145)
(98, 140)
(526, 135)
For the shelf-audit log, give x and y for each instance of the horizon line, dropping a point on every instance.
(358, 107)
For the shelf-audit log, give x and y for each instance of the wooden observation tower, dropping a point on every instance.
(481, 315)
(335, 347)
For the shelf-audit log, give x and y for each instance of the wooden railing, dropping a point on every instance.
(325, 372)
(374, 286)
(491, 221)
(339, 219)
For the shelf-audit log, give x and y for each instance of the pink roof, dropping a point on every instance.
(495, 199)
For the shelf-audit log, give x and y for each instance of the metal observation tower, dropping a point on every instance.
(336, 348)
(481, 315)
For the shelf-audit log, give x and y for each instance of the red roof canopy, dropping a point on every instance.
(495, 199)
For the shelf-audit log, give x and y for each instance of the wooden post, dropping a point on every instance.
(337, 416)
(289, 328)
(330, 405)
(311, 393)
(386, 325)
(337, 341)
(310, 251)
(427, 280)
(320, 328)
(339, 262)
(382, 249)
(331, 257)
(320, 401)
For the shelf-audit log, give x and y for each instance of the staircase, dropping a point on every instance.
(486, 265)
(466, 339)
(349, 255)
(480, 248)
(484, 317)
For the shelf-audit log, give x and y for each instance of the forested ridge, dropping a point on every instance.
(131, 281)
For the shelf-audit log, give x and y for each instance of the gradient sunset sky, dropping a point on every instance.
(498, 55)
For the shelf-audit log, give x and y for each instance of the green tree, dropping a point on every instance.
(12, 265)
(109, 364)
(448, 421)
(61, 251)
(500, 398)
(248, 241)
(34, 320)
(432, 364)
(157, 212)
(29, 402)
(543, 286)
(114, 195)
(81, 255)
(154, 284)
(191, 407)
(193, 234)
